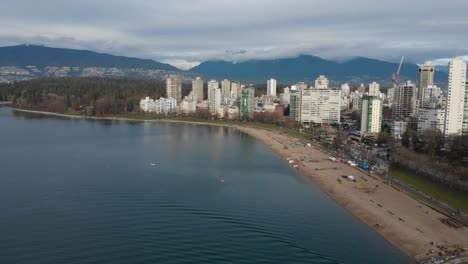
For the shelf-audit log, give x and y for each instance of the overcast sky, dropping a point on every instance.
(186, 32)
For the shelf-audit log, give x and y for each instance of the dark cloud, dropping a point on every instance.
(185, 32)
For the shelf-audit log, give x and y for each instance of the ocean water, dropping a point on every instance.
(81, 191)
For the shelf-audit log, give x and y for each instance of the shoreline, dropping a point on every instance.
(409, 225)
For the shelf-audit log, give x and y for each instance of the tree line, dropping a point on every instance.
(104, 95)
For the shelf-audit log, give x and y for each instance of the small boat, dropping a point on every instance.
(152, 164)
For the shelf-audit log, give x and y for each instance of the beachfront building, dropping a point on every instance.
(235, 90)
(197, 89)
(247, 103)
(214, 94)
(233, 112)
(455, 97)
(292, 102)
(174, 88)
(371, 115)
(465, 113)
(226, 88)
(160, 106)
(320, 106)
(271, 87)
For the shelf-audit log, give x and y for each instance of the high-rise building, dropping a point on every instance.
(293, 113)
(455, 97)
(390, 95)
(271, 87)
(226, 88)
(212, 84)
(174, 88)
(235, 90)
(430, 119)
(431, 97)
(465, 115)
(214, 94)
(197, 89)
(371, 114)
(426, 78)
(320, 106)
(374, 89)
(285, 97)
(247, 103)
(404, 105)
(355, 100)
(345, 89)
(321, 82)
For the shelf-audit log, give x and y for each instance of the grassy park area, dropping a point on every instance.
(452, 197)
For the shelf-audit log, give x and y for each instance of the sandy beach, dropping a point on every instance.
(411, 226)
(406, 223)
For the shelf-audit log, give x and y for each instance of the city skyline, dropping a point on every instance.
(361, 28)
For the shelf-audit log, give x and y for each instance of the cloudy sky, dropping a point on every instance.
(186, 32)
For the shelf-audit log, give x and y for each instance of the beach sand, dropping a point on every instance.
(406, 223)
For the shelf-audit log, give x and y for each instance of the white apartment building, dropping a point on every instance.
(174, 88)
(320, 106)
(455, 97)
(374, 89)
(212, 84)
(345, 89)
(226, 88)
(285, 97)
(397, 128)
(371, 114)
(430, 119)
(160, 106)
(214, 95)
(432, 97)
(321, 82)
(235, 90)
(465, 115)
(271, 87)
(188, 106)
(355, 100)
(197, 89)
(233, 112)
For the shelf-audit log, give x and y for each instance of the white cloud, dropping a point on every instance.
(185, 32)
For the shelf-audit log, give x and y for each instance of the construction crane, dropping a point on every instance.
(396, 75)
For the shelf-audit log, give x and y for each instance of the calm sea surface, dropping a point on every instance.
(79, 191)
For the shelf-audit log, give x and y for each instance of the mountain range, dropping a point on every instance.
(33, 61)
(307, 68)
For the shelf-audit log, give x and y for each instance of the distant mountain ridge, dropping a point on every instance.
(24, 62)
(307, 68)
(41, 56)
